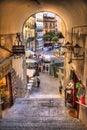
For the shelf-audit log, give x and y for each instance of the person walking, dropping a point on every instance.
(37, 72)
(38, 82)
(47, 68)
(60, 88)
(39, 67)
(44, 68)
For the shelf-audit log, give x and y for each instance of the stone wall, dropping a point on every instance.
(80, 67)
(19, 64)
(83, 110)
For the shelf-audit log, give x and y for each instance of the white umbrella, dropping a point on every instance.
(30, 61)
(29, 52)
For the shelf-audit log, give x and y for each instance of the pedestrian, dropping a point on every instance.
(39, 67)
(38, 82)
(44, 68)
(47, 68)
(60, 88)
(27, 78)
(35, 81)
(37, 72)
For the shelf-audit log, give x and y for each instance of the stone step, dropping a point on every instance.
(40, 100)
(42, 124)
(42, 128)
(43, 119)
(36, 123)
(39, 114)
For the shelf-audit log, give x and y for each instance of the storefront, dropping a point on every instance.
(55, 68)
(74, 91)
(6, 92)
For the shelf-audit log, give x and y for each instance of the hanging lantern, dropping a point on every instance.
(61, 38)
(68, 45)
(77, 50)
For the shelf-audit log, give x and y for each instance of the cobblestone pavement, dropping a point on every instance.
(44, 109)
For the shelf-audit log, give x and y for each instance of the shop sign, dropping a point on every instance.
(5, 68)
(18, 49)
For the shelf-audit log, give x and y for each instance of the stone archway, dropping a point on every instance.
(14, 13)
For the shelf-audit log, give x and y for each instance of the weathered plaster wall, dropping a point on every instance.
(83, 110)
(80, 67)
(19, 64)
(13, 14)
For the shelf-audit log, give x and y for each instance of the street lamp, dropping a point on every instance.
(61, 38)
(76, 50)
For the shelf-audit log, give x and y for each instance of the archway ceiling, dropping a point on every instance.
(4, 54)
(13, 13)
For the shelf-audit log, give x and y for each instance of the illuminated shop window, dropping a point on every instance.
(3, 90)
(3, 83)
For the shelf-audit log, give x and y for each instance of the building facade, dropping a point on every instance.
(29, 33)
(12, 77)
(49, 23)
(39, 30)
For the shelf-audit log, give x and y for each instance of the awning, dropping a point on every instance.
(30, 72)
(29, 52)
(40, 39)
(31, 61)
(48, 42)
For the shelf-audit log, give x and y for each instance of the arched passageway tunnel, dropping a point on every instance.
(13, 15)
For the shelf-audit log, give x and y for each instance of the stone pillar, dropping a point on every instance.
(19, 64)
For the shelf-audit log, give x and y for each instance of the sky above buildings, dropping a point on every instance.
(49, 14)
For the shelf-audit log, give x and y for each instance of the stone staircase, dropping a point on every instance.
(39, 114)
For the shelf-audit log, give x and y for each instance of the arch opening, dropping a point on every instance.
(37, 25)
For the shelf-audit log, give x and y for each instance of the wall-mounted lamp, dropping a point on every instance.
(76, 50)
(68, 46)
